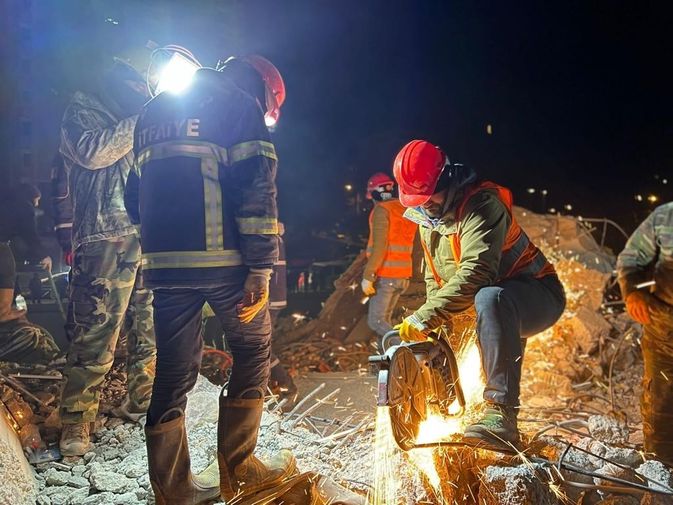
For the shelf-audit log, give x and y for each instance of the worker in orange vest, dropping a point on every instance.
(477, 255)
(389, 264)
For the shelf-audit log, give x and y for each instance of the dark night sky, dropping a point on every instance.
(578, 93)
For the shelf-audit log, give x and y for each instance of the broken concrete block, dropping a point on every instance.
(54, 477)
(78, 496)
(608, 429)
(519, 485)
(658, 473)
(78, 481)
(105, 480)
(588, 328)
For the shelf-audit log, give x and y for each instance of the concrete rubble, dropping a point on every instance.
(581, 384)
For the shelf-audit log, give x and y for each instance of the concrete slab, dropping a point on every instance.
(357, 393)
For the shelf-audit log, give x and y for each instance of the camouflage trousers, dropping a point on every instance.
(106, 289)
(25, 342)
(657, 399)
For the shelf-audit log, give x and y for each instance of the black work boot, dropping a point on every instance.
(170, 466)
(496, 429)
(242, 474)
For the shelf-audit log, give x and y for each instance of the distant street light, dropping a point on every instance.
(531, 191)
(348, 187)
(568, 207)
(639, 198)
(653, 198)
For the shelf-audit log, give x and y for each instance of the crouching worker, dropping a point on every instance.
(21, 340)
(477, 255)
(204, 192)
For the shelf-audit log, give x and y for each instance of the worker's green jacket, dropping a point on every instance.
(484, 224)
(203, 187)
(648, 255)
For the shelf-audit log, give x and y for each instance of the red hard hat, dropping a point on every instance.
(275, 87)
(417, 169)
(377, 180)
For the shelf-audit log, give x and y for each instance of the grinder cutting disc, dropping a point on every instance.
(406, 397)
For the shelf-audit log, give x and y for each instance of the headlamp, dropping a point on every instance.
(177, 74)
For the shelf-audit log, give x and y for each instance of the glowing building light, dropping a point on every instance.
(348, 187)
(568, 207)
(652, 198)
(639, 198)
(531, 190)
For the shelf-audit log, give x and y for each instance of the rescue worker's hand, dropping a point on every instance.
(638, 306)
(368, 287)
(255, 294)
(412, 330)
(46, 263)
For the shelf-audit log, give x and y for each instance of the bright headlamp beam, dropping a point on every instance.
(177, 74)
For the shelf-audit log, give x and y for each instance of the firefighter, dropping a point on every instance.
(21, 340)
(477, 255)
(96, 144)
(389, 264)
(649, 255)
(204, 193)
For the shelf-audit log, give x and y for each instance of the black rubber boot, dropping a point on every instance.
(170, 466)
(242, 474)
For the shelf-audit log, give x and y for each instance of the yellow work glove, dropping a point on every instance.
(368, 287)
(412, 330)
(638, 306)
(255, 294)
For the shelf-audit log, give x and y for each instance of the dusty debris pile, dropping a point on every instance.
(579, 417)
(115, 471)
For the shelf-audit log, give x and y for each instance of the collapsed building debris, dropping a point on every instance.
(579, 410)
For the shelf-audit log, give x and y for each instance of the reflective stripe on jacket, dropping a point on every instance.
(391, 240)
(203, 187)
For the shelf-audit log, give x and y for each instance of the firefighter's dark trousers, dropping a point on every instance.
(507, 312)
(657, 398)
(177, 323)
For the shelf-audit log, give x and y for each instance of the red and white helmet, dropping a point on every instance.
(417, 169)
(378, 182)
(274, 84)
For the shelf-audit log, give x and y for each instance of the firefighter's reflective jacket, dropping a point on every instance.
(203, 187)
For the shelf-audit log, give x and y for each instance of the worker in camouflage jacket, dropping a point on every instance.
(96, 144)
(648, 256)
